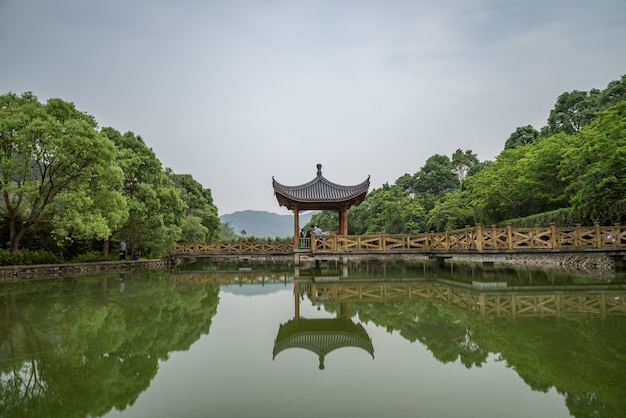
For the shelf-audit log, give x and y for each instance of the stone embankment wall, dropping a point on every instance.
(37, 271)
(587, 263)
(580, 262)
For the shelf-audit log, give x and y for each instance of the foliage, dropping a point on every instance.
(115, 331)
(226, 231)
(462, 164)
(450, 212)
(559, 217)
(156, 210)
(523, 135)
(328, 221)
(27, 257)
(93, 256)
(56, 167)
(201, 221)
(596, 168)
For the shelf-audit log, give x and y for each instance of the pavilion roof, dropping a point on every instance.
(320, 193)
(322, 336)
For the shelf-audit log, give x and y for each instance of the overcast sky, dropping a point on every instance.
(235, 92)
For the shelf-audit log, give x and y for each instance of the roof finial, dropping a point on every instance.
(319, 170)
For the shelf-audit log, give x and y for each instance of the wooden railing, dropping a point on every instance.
(469, 239)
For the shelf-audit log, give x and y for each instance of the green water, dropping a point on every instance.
(216, 341)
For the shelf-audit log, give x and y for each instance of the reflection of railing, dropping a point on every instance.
(469, 239)
(230, 278)
(514, 304)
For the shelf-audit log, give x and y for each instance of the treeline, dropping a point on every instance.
(72, 191)
(572, 170)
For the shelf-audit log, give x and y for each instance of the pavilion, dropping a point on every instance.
(320, 194)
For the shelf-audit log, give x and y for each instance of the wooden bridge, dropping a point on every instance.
(484, 244)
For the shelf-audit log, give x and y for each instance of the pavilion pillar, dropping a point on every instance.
(343, 221)
(296, 227)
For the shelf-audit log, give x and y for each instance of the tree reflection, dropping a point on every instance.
(583, 357)
(69, 353)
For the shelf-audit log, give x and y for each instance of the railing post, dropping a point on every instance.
(313, 242)
(553, 236)
(577, 237)
(479, 237)
(509, 236)
(382, 244)
(598, 234)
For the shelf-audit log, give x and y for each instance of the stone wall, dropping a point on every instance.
(37, 271)
(590, 263)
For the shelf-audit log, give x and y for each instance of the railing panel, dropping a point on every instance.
(495, 239)
(398, 242)
(418, 242)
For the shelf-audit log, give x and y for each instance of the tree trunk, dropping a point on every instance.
(15, 238)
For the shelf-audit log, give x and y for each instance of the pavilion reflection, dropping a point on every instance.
(320, 335)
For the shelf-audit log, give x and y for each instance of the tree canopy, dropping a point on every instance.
(575, 165)
(62, 176)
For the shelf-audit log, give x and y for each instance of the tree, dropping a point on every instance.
(397, 212)
(614, 93)
(495, 192)
(434, 178)
(596, 168)
(327, 220)
(462, 163)
(156, 210)
(450, 212)
(56, 167)
(524, 135)
(572, 111)
(227, 231)
(198, 204)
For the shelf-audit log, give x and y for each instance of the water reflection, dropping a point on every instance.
(94, 345)
(321, 335)
(79, 347)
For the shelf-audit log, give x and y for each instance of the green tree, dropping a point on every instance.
(524, 135)
(328, 220)
(462, 164)
(199, 207)
(572, 111)
(55, 167)
(450, 212)
(396, 212)
(614, 93)
(227, 231)
(596, 169)
(434, 178)
(495, 193)
(156, 210)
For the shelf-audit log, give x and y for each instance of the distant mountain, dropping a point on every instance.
(264, 224)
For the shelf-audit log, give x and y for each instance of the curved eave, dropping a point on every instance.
(320, 194)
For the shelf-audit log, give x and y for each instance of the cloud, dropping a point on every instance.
(235, 92)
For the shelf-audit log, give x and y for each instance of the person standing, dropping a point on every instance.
(122, 250)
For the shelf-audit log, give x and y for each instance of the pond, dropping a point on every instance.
(374, 339)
